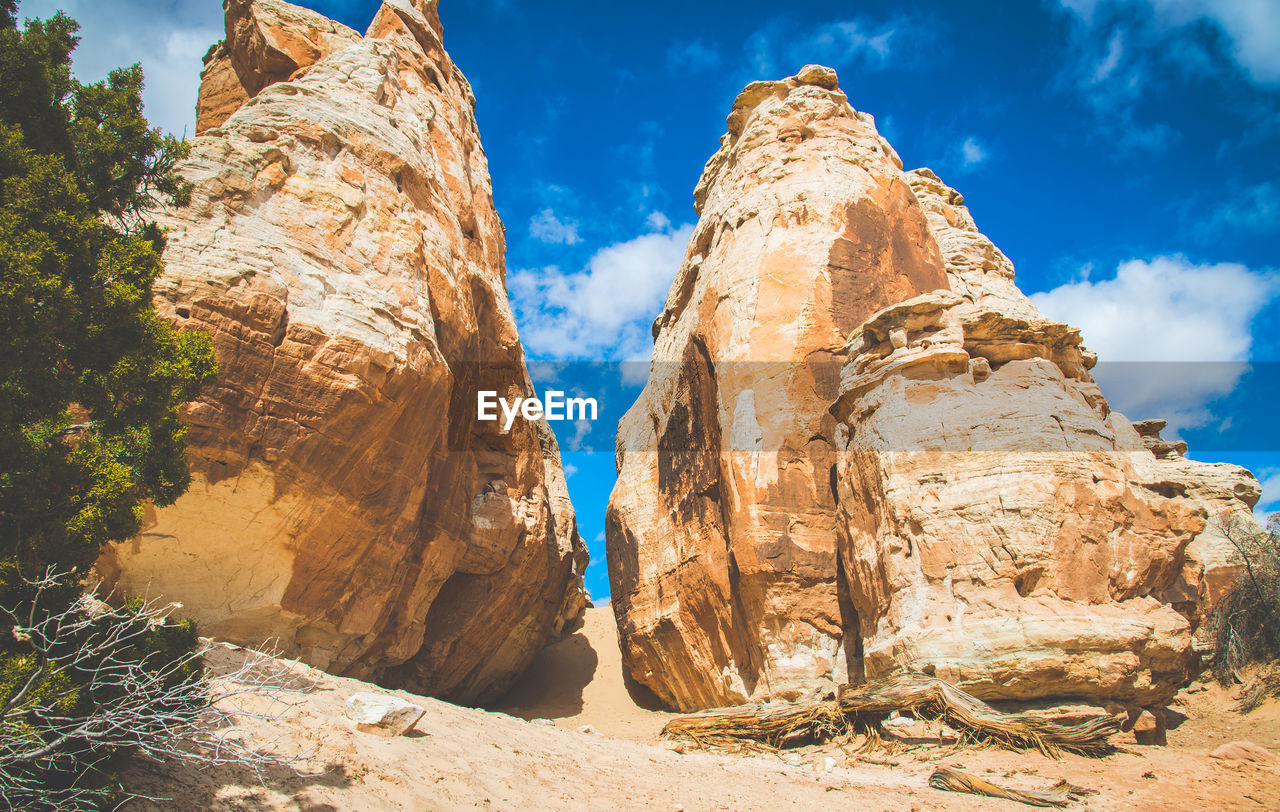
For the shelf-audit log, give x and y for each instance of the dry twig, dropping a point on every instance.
(151, 706)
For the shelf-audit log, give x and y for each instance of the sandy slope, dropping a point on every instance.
(461, 758)
(578, 681)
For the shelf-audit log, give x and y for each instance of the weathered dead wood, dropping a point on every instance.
(863, 707)
(1060, 794)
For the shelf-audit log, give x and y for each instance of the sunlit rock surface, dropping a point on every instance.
(343, 251)
(722, 528)
(862, 450)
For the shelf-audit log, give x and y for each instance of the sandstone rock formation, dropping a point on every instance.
(721, 530)
(862, 450)
(1000, 526)
(268, 41)
(343, 251)
(221, 92)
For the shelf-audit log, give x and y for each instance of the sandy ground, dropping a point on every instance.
(579, 681)
(461, 758)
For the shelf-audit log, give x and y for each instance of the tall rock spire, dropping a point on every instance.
(721, 530)
(344, 253)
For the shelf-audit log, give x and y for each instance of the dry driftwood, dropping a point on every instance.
(865, 706)
(1060, 794)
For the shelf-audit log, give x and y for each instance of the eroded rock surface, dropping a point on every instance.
(1000, 526)
(221, 92)
(862, 450)
(267, 41)
(344, 253)
(721, 530)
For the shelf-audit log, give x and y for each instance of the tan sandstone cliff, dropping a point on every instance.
(343, 251)
(721, 530)
(268, 41)
(861, 450)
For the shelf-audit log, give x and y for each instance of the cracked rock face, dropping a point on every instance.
(343, 251)
(862, 450)
(722, 528)
(268, 41)
(1000, 527)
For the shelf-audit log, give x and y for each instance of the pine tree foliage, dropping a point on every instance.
(91, 379)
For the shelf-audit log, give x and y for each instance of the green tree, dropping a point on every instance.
(91, 379)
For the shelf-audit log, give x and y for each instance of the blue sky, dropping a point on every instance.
(1124, 153)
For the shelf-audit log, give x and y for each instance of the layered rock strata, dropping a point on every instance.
(862, 450)
(721, 530)
(268, 41)
(343, 251)
(1000, 526)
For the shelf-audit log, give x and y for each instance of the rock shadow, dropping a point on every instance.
(552, 686)
(642, 695)
(166, 787)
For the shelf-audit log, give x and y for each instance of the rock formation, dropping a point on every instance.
(861, 450)
(343, 251)
(721, 530)
(1000, 526)
(268, 41)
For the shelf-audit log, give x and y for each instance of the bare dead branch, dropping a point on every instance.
(160, 708)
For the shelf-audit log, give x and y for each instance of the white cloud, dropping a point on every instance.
(658, 221)
(1251, 28)
(547, 227)
(1269, 478)
(168, 38)
(774, 51)
(569, 470)
(841, 41)
(693, 56)
(604, 310)
(582, 430)
(961, 157)
(1188, 325)
(1109, 61)
(1165, 309)
(887, 126)
(635, 369)
(1254, 208)
(1085, 8)
(1121, 50)
(972, 153)
(1111, 78)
